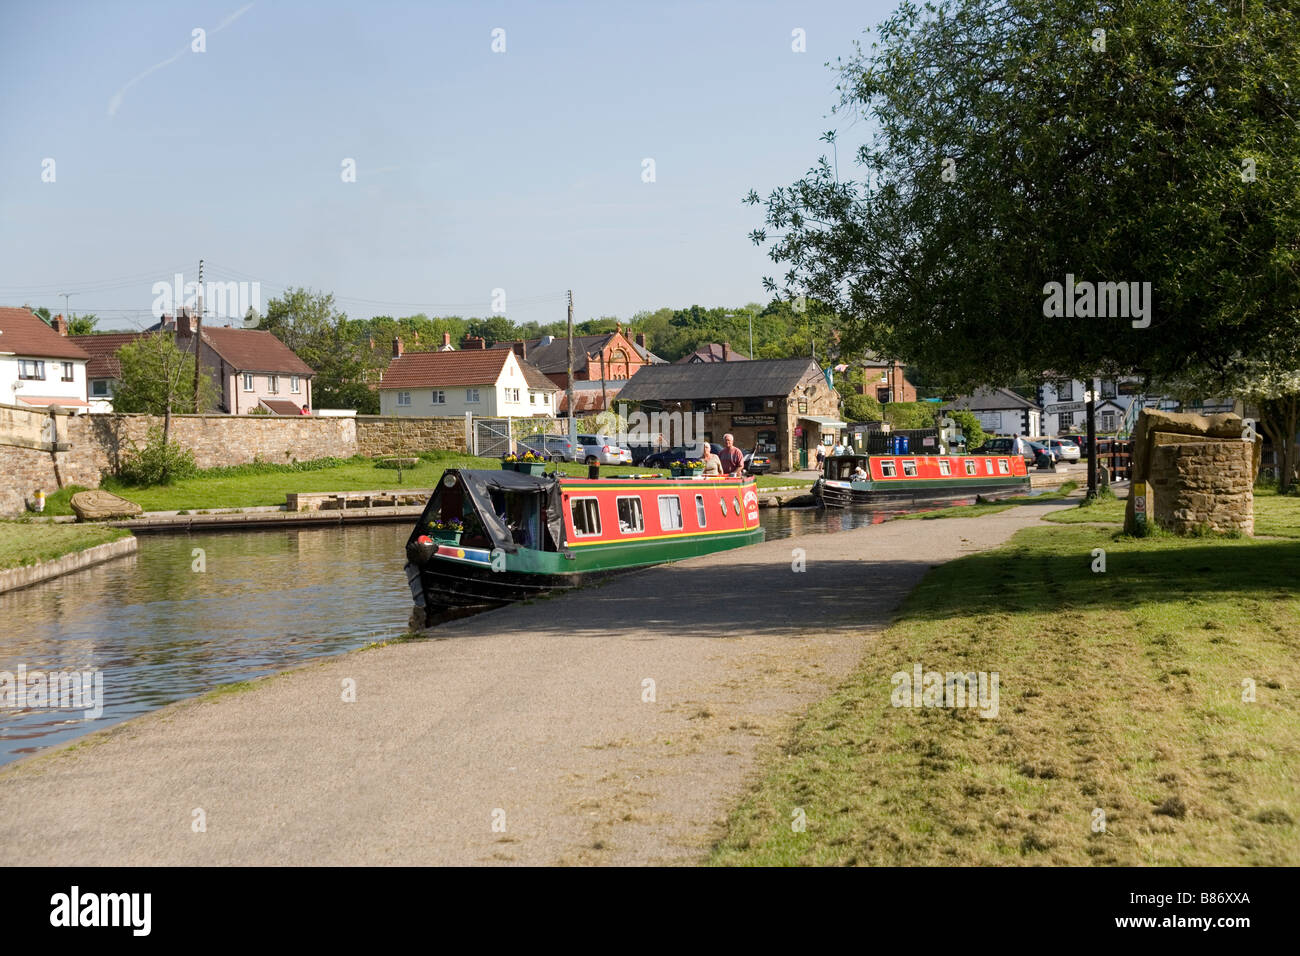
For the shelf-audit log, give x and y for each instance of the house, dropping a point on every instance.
(103, 371)
(248, 366)
(713, 352)
(1001, 411)
(40, 366)
(1118, 400)
(610, 356)
(491, 383)
(784, 404)
(885, 380)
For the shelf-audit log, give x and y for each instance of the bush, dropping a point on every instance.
(157, 463)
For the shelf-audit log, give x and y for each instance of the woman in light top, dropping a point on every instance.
(712, 463)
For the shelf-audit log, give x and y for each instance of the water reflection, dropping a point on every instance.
(161, 631)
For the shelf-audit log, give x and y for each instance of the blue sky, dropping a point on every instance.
(476, 170)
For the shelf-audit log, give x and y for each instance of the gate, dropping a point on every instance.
(491, 437)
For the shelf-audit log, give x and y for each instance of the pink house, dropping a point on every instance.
(250, 367)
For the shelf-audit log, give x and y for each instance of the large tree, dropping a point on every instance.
(1014, 142)
(158, 379)
(308, 323)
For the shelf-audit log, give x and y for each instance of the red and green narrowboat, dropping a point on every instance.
(523, 535)
(901, 480)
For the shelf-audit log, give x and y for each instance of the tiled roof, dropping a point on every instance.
(756, 378)
(535, 377)
(22, 333)
(282, 407)
(712, 353)
(992, 399)
(252, 350)
(102, 349)
(445, 369)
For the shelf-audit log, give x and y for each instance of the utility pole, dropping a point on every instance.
(66, 310)
(1091, 412)
(198, 337)
(573, 421)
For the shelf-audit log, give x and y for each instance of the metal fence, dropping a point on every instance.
(491, 437)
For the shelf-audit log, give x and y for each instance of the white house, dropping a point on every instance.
(1115, 410)
(39, 366)
(1001, 411)
(492, 383)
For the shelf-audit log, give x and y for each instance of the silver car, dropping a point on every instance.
(602, 450)
(1064, 450)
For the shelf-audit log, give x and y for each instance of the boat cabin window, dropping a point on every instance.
(970, 467)
(630, 520)
(945, 466)
(670, 512)
(887, 469)
(735, 503)
(586, 517)
(988, 465)
(723, 501)
(1003, 467)
(909, 469)
(699, 511)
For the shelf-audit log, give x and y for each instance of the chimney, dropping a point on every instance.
(520, 348)
(473, 342)
(397, 347)
(446, 339)
(183, 326)
(60, 326)
(726, 351)
(640, 339)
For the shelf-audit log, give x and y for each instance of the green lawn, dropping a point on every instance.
(992, 507)
(267, 485)
(27, 542)
(1119, 692)
(1275, 515)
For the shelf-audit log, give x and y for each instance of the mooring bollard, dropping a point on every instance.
(593, 471)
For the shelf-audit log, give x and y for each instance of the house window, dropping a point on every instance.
(1108, 421)
(1107, 389)
(888, 470)
(586, 517)
(970, 467)
(248, 381)
(699, 511)
(273, 384)
(471, 396)
(403, 398)
(945, 466)
(1003, 467)
(670, 512)
(438, 397)
(67, 371)
(1067, 419)
(512, 395)
(1064, 390)
(532, 397)
(909, 469)
(31, 370)
(753, 404)
(295, 384)
(630, 519)
(99, 388)
(882, 395)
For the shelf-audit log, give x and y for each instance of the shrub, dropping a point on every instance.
(157, 463)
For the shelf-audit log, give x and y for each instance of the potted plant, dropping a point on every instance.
(447, 532)
(531, 464)
(510, 462)
(686, 469)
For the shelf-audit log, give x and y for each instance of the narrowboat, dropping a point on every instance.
(522, 535)
(894, 480)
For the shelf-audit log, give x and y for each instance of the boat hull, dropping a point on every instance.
(843, 495)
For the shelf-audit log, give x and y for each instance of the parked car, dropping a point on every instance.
(664, 459)
(1065, 450)
(550, 447)
(1040, 449)
(640, 451)
(757, 462)
(602, 450)
(1008, 446)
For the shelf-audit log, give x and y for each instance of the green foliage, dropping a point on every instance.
(159, 462)
(970, 427)
(320, 335)
(83, 324)
(911, 414)
(1009, 150)
(158, 378)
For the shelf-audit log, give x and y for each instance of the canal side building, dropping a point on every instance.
(785, 405)
(40, 366)
(485, 382)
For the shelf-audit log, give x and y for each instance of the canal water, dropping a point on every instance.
(187, 613)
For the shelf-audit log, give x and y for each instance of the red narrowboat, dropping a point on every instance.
(917, 479)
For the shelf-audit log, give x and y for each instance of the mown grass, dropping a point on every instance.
(264, 484)
(992, 507)
(27, 542)
(1275, 515)
(1119, 691)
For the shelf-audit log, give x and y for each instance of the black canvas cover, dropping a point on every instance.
(480, 485)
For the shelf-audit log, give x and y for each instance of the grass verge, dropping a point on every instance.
(29, 542)
(992, 507)
(1119, 692)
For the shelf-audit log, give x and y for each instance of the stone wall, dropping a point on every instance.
(1201, 484)
(36, 454)
(379, 435)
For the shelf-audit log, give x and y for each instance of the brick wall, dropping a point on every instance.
(1201, 483)
(378, 435)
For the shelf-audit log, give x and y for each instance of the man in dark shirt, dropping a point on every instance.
(733, 459)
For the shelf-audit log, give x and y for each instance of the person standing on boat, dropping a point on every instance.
(733, 459)
(712, 463)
